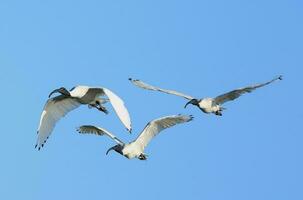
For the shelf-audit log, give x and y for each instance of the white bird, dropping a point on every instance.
(207, 105)
(57, 107)
(136, 148)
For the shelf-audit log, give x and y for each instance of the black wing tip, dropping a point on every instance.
(280, 77)
(42, 145)
(133, 80)
(129, 130)
(78, 129)
(39, 148)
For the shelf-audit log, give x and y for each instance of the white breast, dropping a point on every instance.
(131, 150)
(206, 104)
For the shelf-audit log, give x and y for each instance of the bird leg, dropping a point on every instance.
(102, 109)
(219, 113)
(98, 106)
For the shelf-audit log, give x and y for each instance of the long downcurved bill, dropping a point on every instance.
(112, 148)
(190, 102)
(53, 92)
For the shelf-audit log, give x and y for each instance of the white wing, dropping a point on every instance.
(94, 92)
(156, 126)
(238, 92)
(54, 110)
(119, 108)
(143, 85)
(88, 129)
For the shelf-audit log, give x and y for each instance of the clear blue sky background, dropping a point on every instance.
(203, 48)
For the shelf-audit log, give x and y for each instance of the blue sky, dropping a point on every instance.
(203, 48)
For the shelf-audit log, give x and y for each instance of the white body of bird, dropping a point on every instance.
(132, 150)
(207, 105)
(136, 148)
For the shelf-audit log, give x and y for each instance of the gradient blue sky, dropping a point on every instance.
(203, 48)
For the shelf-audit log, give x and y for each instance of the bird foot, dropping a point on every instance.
(218, 113)
(102, 109)
(99, 107)
(142, 156)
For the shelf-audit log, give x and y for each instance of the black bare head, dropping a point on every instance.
(193, 102)
(117, 148)
(61, 90)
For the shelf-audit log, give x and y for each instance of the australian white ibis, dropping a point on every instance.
(207, 105)
(57, 107)
(136, 148)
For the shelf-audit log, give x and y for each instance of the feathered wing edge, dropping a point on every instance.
(89, 129)
(146, 86)
(119, 108)
(232, 95)
(154, 127)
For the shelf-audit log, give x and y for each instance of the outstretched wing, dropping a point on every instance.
(238, 92)
(156, 126)
(119, 108)
(116, 102)
(54, 110)
(88, 129)
(143, 85)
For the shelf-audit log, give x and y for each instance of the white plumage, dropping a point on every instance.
(136, 148)
(57, 107)
(207, 105)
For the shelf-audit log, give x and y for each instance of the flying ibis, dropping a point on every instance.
(136, 148)
(57, 107)
(207, 105)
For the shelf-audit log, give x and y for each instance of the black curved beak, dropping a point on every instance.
(190, 102)
(55, 91)
(112, 148)
(62, 91)
(193, 101)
